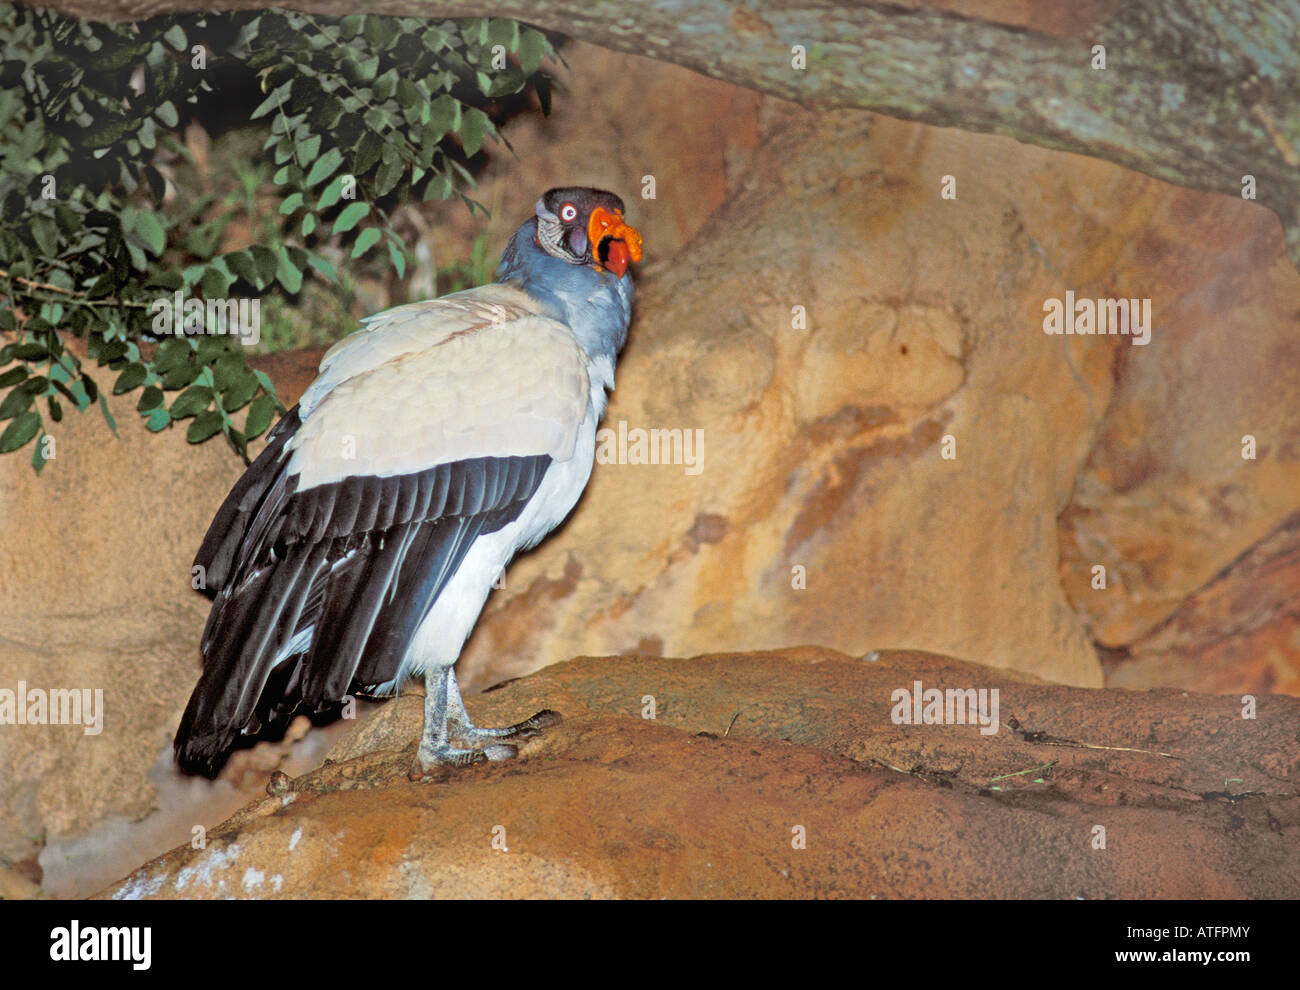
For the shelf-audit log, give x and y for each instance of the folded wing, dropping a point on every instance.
(434, 425)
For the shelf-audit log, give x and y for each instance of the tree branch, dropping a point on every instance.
(1198, 93)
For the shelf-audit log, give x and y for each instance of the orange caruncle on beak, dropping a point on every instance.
(624, 241)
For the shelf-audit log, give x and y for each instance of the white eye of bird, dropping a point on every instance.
(568, 213)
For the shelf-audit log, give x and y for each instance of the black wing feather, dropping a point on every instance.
(358, 562)
(217, 553)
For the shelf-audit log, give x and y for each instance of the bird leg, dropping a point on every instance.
(462, 727)
(435, 747)
(445, 717)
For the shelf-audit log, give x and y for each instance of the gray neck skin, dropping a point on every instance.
(594, 304)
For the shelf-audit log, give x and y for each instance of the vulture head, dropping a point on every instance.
(585, 227)
(572, 256)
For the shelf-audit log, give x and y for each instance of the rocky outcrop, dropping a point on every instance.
(782, 775)
(95, 594)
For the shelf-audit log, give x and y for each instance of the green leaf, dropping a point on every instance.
(266, 262)
(68, 219)
(444, 114)
(12, 377)
(332, 192)
(326, 113)
(439, 186)
(387, 176)
(172, 353)
(204, 426)
(181, 376)
(175, 37)
(132, 376)
(108, 415)
(473, 130)
(288, 274)
(324, 266)
(309, 149)
(148, 232)
(386, 85)
(210, 349)
(62, 389)
(259, 416)
(350, 217)
(265, 380)
(409, 99)
(308, 224)
(504, 32)
(241, 263)
(240, 391)
(381, 32)
(46, 234)
(167, 112)
(291, 203)
(398, 258)
(110, 351)
(215, 282)
(367, 152)
(325, 166)
(532, 49)
(157, 184)
(507, 83)
(150, 398)
(229, 369)
(273, 100)
(192, 401)
(158, 420)
(238, 441)
(31, 352)
(20, 431)
(365, 241)
(14, 403)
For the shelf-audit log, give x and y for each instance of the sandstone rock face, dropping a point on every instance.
(829, 355)
(1197, 463)
(782, 775)
(892, 453)
(95, 558)
(1241, 632)
(838, 327)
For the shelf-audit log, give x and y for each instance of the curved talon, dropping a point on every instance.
(545, 718)
(532, 726)
(449, 756)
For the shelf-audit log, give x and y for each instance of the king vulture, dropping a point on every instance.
(438, 440)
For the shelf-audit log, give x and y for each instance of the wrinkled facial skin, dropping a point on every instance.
(562, 222)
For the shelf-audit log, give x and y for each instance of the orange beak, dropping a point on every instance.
(624, 242)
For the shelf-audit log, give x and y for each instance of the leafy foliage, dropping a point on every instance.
(360, 112)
